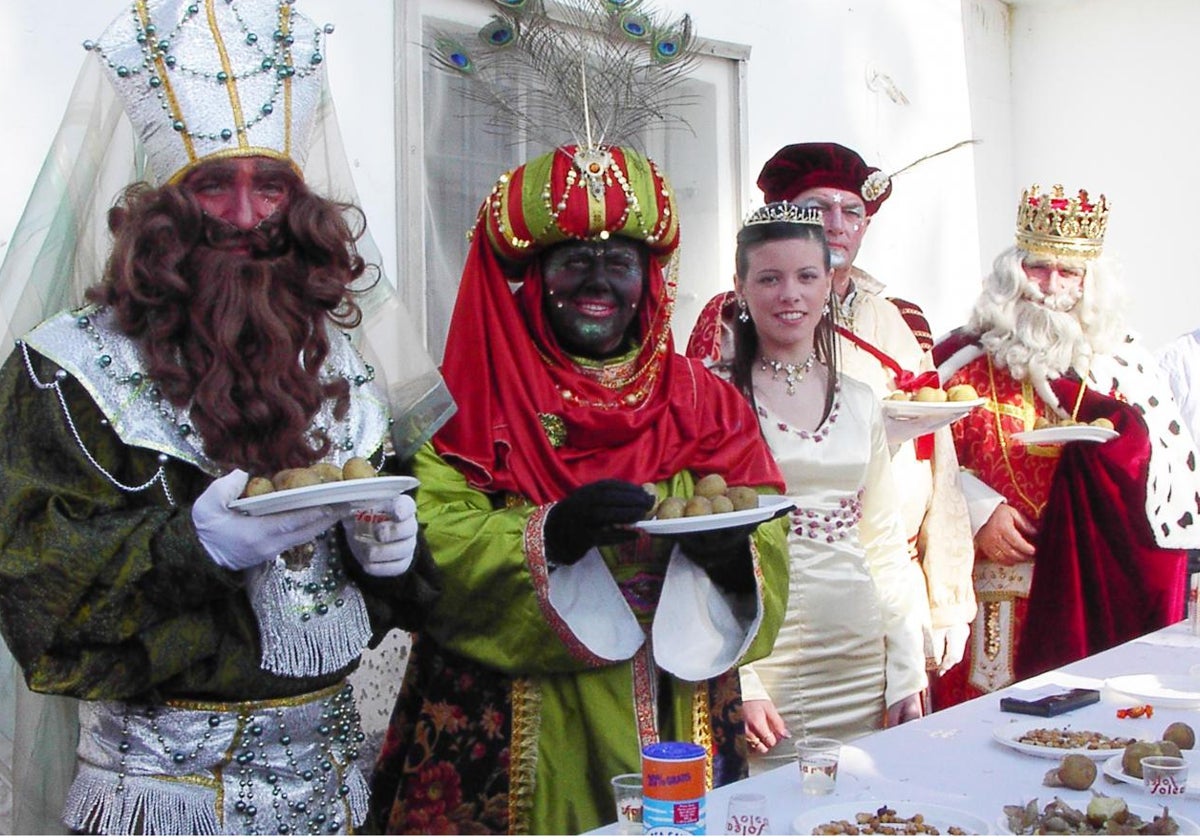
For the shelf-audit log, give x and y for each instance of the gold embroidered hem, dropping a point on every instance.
(526, 723)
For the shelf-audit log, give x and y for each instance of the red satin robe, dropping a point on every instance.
(1100, 578)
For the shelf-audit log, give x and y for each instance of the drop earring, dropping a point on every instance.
(744, 314)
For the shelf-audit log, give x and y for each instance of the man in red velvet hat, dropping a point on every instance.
(1082, 477)
(879, 346)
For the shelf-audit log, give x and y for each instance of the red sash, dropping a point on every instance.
(905, 381)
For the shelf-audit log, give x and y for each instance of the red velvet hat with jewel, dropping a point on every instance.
(803, 166)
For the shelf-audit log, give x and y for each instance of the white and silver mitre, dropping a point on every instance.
(208, 79)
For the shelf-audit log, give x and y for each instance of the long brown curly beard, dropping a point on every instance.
(240, 340)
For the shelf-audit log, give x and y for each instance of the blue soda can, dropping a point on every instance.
(673, 788)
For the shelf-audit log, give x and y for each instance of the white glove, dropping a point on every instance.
(949, 645)
(386, 549)
(236, 541)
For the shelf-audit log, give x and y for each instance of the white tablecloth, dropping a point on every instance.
(951, 759)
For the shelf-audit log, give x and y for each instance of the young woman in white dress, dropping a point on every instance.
(850, 657)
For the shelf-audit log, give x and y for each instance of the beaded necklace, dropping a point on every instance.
(116, 367)
(142, 385)
(794, 373)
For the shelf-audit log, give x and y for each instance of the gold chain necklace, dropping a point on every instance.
(794, 373)
(1037, 509)
(1004, 441)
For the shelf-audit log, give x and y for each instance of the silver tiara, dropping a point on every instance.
(784, 211)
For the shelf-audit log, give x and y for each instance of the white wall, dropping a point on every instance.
(807, 81)
(1098, 95)
(1105, 94)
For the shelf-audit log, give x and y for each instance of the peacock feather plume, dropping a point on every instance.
(592, 72)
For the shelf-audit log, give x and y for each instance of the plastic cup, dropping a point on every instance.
(747, 814)
(818, 759)
(627, 791)
(1164, 775)
(365, 520)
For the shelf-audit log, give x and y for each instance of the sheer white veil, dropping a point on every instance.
(57, 250)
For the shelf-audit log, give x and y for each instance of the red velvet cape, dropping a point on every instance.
(504, 370)
(1099, 578)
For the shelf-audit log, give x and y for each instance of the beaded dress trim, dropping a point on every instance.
(283, 766)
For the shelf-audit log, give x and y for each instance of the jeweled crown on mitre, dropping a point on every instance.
(1057, 226)
(207, 79)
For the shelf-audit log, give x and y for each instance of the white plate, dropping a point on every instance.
(1170, 691)
(1008, 733)
(1066, 434)
(335, 492)
(1112, 768)
(768, 506)
(938, 816)
(911, 409)
(1080, 803)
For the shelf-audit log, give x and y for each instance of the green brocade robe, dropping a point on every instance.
(530, 689)
(106, 593)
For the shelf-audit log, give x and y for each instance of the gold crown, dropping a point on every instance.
(784, 211)
(1057, 226)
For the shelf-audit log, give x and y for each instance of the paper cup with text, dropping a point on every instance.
(1164, 775)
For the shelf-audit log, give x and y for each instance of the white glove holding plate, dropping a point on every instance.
(384, 538)
(236, 541)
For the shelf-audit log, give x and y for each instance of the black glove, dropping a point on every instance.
(586, 518)
(724, 555)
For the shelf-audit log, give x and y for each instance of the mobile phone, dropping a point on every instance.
(1051, 704)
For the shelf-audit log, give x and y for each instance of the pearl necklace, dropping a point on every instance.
(794, 373)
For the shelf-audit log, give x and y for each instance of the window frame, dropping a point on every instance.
(723, 64)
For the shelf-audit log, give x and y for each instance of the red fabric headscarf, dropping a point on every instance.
(511, 381)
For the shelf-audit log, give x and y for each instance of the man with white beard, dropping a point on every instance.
(1079, 530)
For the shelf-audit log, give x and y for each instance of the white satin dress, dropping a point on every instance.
(851, 643)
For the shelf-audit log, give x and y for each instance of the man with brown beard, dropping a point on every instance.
(210, 648)
(1081, 479)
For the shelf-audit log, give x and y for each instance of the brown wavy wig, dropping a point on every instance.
(240, 340)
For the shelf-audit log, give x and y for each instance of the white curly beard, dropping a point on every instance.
(1034, 336)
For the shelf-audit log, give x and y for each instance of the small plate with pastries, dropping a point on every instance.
(768, 507)
(1056, 435)
(954, 402)
(321, 484)
(911, 409)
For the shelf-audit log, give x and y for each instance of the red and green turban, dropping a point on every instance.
(581, 193)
